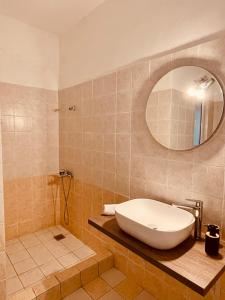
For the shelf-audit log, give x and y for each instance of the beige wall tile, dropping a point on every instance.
(124, 100)
(123, 164)
(154, 286)
(180, 174)
(105, 261)
(70, 280)
(140, 74)
(88, 270)
(123, 123)
(208, 180)
(123, 143)
(135, 272)
(124, 79)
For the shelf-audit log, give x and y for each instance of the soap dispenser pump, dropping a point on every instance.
(212, 240)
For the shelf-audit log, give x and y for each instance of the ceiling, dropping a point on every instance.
(56, 16)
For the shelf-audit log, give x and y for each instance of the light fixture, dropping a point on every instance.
(201, 85)
(205, 82)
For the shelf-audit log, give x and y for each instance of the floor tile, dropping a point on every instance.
(57, 249)
(13, 285)
(31, 277)
(72, 243)
(40, 254)
(18, 256)
(41, 232)
(63, 230)
(51, 267)
(45, 236)
(14, 248)
(11, 242)
(37, 255)
(25, 265)
(97, 288)
(112, 295)
(68, 260)
(52, 244)
(79, 295)
(84, 252)
(144, 296)
(10, 271)
(128, 289)
(113, 277)
(29, 240)
(26, 236)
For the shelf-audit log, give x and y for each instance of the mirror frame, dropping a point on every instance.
(222, 115)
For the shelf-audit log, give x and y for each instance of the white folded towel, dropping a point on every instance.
(109, 209)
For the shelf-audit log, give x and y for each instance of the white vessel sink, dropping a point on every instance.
(157, 224)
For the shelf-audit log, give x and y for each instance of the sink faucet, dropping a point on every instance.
(197, 209)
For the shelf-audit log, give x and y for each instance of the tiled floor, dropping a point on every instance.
(112, 285)
(32, 257)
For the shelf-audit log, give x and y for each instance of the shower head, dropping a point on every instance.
(65, 173)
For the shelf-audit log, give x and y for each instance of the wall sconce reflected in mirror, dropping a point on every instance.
(201, 85)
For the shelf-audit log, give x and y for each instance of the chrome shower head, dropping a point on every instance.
(65, 173)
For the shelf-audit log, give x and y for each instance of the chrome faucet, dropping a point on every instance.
(197, 210)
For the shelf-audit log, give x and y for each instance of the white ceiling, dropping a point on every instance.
(56, 16)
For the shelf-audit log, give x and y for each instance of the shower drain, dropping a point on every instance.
(59, 237)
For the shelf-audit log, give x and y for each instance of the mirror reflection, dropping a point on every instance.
(185, 108)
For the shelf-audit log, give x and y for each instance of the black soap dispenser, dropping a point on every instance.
(212, 240)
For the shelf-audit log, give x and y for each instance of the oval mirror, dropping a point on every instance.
(185, 108)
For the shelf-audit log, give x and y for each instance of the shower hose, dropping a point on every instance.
(54, 197)
(66, 198)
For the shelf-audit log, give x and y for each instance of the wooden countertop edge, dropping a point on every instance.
(199, 289)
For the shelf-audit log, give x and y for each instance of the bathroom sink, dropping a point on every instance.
(157, 224)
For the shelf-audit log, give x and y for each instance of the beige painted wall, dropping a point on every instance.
(28, 56)
(119, 32)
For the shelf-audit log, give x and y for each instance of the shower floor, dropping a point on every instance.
(32, 257)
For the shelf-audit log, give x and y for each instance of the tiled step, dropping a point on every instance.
(34, 257)
(111, 285)
(64, 283)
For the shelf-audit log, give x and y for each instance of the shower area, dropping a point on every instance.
(38, 186)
